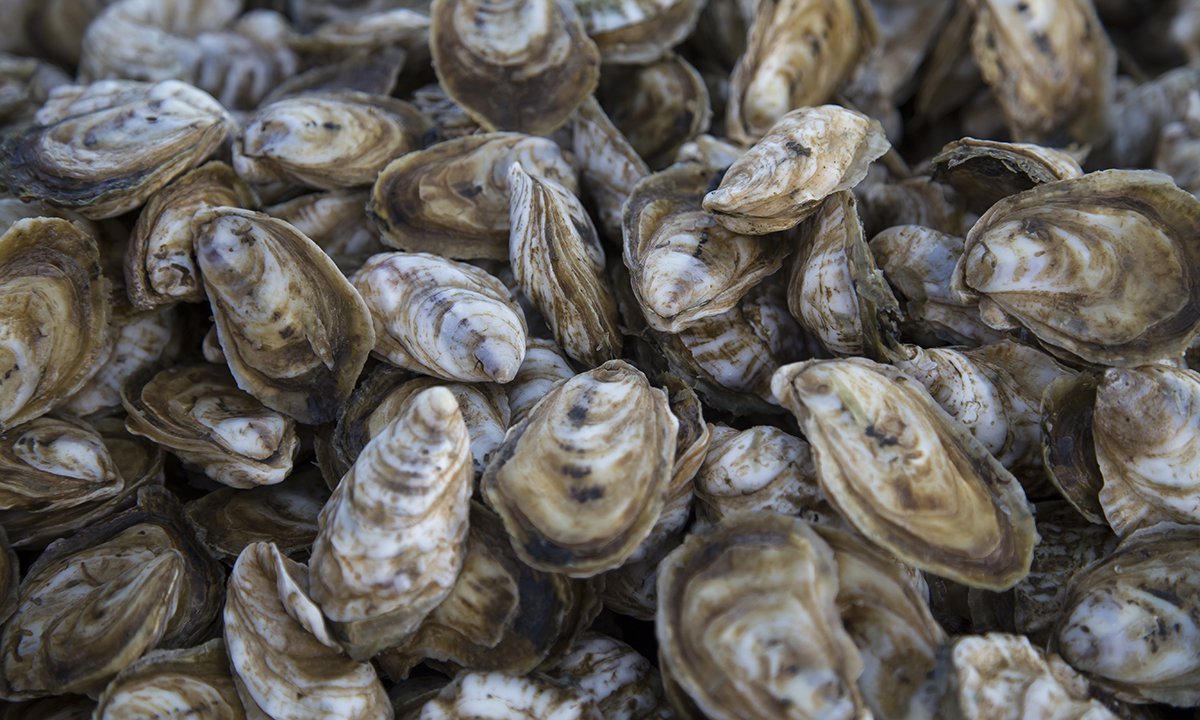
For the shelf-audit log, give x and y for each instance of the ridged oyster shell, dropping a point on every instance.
(195, 683)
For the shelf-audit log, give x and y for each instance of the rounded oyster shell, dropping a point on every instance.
(294, 331)
(442, 318)
(52, 463)
(195, 683)
(908, 476)
(581, 481)
(658, 107)
(637, 32)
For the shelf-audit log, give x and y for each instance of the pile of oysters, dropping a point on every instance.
(583, 359)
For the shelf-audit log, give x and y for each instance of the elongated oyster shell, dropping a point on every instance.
(442, 318)
(637, 32)
(327, 139)
(986, 171)
(54, 311)
(1068, 444)
(684, 265)
(377, 574)
(609, 165)
(621, 682)
(658, 107)
(296, 334)
(906, 475)
(501, 614)
(809, 154)
(798, 53)
(535, 53)
(280, 668)
(484, 696)
(766, 581)
(105, 148)
(1027, 50)
(199, 414)
(193, 683)
(544, 367)
(160, 267)
(1104, 267)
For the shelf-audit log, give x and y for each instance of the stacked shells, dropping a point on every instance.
(581, 359)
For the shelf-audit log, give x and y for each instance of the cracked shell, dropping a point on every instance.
(193, 683)
(907, 475)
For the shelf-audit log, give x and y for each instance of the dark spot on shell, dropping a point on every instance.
(1042, 41)
(331, 126)
(577, 472)
(883, 439)
(587, 494)
(796, 148)
(577, 415)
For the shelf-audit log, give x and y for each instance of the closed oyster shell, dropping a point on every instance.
(104, 148)
(25, 83)
(336, 222)
(1117, 274)
(52, 463)
(544, 367)
(392, 537)
(535, 53)
(1068, 445)
(558, 261)
(684, 265)
(327, 140)
(294, 331)
(765, 581)
(193, 683)
(622, 683)
(442, 318)
(658, 107)
(452, 198)
(280, 668)
(906, 475)
(54, 310)
(809, 154)
(480, 696)
(199, 414)
(637, 32)
(581, 481)
(609, 165)
(983, 172)
(160, 267)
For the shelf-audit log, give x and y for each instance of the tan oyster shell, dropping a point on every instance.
(452, 198)
(1116, 282)
(55, 312)
(376, 573)
(336, 222)
(281, 670)
(766, 581)
(105, 148)
(906, 475)
(638, 32)
(622, 683)
(442, 318)
(1068, 445)
(558, 262)
(581, 481)
(609, 165)
(366, 71)
(495, 695)
(293, 329)
(172, 683)
(684, 265)
(52, 463)
(809, 154)
(544, 366)
(986, 171)
(658, 107)
(535, 52)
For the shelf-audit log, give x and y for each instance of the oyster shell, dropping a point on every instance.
(104, 148)
(52, 463)
(637, 32)
(983, 172)
(906, 475)
(193, 683)
(535, 53)
(280, 668)
(809, 154)
(608, 163)
(294, 331)
(25, 83)
(495, 695)
(658, 107)
(392, 537)
(54, 311)
(442, 318)
(1068, 445)
(452, 198)
(327, 140)
(558, 262)
(581, 481)
(622, 683)
(764, 581)
(1101, 267)
(544, 367)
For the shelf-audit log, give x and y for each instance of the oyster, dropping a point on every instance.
(54, 316)
(581, 481)
(535, 53)
(105, 148)
(296, 334)
(637, 32)
(543, 368)
(622, 683)
(809, 154)
(452, 198)
(906, 475)
(392, 537)
(336, 222)
(1102, 267)
(684, 265)
(52, 463)
(764, 581)
(558, 262)
(659, 106)
(608, 163)
(192, 683)
(327, 140)
(25, 84)
(199, 414)
(1068, 445)
(911, 201)
(983, 172)
(495, 695)
(280, 668)
(442, 318)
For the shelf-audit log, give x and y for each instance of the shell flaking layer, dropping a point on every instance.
(443, 318)
(393, 536)
(193, 683)
(495, 695)
(908, 476)
(294, 331)
(622, 683)
(581, 481)
(280, 668)
(809, 154)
